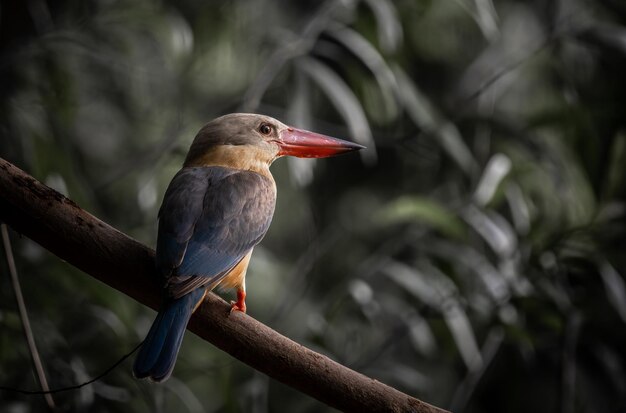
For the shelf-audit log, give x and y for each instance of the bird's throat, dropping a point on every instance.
(242, 157)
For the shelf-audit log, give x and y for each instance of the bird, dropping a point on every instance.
(216, 209)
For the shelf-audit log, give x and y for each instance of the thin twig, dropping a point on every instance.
(21, 306)
(469, 384)
(76, 386)
(554, 34)
(506, 70)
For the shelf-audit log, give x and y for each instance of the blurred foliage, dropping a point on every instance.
(473, 256)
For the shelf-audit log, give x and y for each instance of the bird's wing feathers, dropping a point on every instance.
(180, 210)
(210, 219)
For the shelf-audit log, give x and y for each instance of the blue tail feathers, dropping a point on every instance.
(158, 353)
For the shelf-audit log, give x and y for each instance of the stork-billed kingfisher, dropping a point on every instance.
(215, 210)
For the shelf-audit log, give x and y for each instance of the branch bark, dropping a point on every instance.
(74, 235)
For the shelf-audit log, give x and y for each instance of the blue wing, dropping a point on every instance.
(211, 217)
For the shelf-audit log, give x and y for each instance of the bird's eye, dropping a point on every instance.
(265, 129)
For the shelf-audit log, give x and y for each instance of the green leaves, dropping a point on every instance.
(344, 100)
(421, 211)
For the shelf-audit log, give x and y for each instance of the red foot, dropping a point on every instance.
(240, 304)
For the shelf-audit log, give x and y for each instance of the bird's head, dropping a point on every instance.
(249, 141)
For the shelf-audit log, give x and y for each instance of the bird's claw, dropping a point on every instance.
(235, 306)
(240, 304)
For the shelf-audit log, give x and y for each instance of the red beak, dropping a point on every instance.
(305, 144)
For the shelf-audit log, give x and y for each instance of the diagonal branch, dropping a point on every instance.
(105, 253)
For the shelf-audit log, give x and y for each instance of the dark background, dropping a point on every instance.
(473, 256)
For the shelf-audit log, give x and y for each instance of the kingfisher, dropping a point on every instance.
(216, 209)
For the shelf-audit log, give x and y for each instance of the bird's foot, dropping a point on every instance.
(240, 304)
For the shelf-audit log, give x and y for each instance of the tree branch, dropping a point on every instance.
(62, 227)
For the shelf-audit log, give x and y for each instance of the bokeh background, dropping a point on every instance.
(473, 256)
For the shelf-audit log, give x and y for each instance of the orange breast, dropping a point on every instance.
(236, 277)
